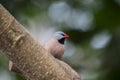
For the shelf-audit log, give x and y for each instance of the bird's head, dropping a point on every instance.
(61, 36)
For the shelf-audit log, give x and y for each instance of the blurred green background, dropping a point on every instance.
(93, 48)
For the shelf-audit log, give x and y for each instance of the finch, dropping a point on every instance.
(55, 45)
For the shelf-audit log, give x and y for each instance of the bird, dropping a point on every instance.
(56, 44)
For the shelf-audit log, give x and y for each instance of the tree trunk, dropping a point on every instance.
(34, 62)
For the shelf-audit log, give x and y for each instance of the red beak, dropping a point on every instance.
(66, 36)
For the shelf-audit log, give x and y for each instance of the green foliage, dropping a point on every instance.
(106, 17)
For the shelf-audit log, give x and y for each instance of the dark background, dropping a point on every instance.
(93, 48)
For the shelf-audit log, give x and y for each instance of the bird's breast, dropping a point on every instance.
(55, 48)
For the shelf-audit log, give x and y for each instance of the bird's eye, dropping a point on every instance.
(62, 34)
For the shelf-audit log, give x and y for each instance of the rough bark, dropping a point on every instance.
(30, 58)
(12, 67)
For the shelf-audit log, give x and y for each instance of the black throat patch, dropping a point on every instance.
(61, 40)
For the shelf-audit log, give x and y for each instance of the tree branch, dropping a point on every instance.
(30, 58)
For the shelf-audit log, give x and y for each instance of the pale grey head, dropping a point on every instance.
(60, 36)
